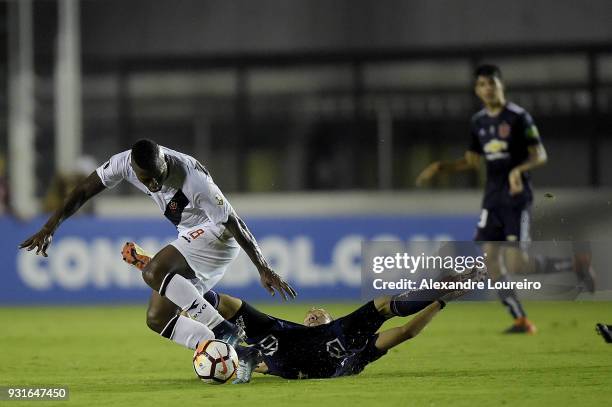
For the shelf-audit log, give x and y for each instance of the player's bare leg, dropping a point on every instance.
(394, 336)
(228, 306)
(413, 301)
(160, 311)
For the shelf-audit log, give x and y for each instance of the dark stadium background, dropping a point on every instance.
(313, 116)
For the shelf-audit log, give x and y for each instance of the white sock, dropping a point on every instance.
(180, 291)
(187, 332)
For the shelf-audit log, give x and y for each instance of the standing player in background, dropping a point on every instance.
(210, 235)
(505, 134)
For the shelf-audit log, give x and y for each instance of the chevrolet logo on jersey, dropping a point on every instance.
(496, 149)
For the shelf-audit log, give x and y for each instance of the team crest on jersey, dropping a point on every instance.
(219, 199)
(172, 205)
(504, 130)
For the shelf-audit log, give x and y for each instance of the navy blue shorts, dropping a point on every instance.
(504, 223)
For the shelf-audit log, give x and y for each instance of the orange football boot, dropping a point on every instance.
(135, 255)
(521, 326)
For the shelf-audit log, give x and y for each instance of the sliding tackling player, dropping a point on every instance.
(322, 347)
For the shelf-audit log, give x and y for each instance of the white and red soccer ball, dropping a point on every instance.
(215, 361)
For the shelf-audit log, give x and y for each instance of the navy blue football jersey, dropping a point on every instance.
(294, 351)
(503, 140)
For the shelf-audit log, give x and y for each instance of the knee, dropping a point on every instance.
(153, 274)
(228, 306)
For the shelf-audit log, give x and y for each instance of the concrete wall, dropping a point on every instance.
(143, 27)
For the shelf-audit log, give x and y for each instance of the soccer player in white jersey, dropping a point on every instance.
(210, 235)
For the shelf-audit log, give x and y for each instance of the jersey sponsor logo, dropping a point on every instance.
(268, 345)
(504, 130)
(336, 349)
(496, 149)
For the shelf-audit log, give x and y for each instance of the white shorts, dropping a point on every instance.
(207, 253)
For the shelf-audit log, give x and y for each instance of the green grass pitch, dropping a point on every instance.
(107, 356)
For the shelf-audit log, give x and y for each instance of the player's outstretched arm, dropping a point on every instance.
(269, 279)
(471, 161)
(41, 240)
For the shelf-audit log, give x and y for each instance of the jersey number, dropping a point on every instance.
(194, 234)
(483, 218)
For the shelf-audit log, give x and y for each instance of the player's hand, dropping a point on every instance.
(272, 282)
(516, 181)
(428, 173)
(39, 241)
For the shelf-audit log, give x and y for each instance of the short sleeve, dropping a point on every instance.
(529, 130)
(210, 199)
(475, 145)
(113, 171)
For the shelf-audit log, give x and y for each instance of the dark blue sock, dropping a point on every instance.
(213, 298)
(411, 302)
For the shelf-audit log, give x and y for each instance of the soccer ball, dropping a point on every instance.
(215, 361)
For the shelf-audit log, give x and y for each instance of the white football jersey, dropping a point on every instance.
(188, 197)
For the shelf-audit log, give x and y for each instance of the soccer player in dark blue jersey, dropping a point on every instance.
(508, 139)
(323, 347)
